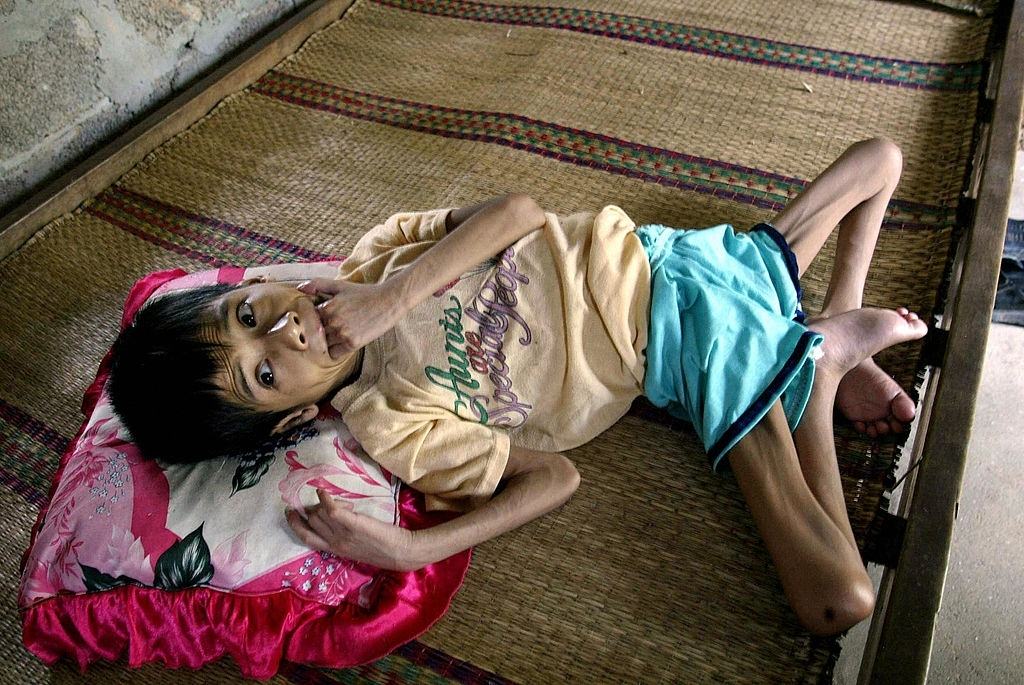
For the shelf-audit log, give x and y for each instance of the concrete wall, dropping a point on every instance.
(75, 72)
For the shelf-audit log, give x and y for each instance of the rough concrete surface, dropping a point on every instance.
(74, 72)
(979, 637)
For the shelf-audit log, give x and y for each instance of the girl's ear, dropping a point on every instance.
(296, 417)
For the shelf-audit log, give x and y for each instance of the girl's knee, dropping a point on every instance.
(886, 157)
(845, 606)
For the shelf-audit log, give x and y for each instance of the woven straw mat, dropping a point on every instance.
(716, 112)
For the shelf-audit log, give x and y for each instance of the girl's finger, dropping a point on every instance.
(320, 285)
(308, 536)
(320, 524)
(326, 501)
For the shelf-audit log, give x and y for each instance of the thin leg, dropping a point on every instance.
(820, 569)
(853, 193)
(791, 482)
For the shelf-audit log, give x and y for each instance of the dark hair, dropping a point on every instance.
(161, 384)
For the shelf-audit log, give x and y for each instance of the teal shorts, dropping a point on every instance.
(726, 336)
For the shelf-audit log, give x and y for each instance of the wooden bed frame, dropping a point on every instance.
(900, 638)
(900, 641)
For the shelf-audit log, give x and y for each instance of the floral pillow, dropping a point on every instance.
(182, 564)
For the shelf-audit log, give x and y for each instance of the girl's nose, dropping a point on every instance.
(290, 327)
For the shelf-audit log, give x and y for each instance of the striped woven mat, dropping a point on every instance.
(716, 111)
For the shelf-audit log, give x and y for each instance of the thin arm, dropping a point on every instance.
(483, 231)
(534, 484)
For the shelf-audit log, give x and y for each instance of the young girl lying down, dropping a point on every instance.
(466, 348)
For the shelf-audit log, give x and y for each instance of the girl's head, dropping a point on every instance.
(219, 369)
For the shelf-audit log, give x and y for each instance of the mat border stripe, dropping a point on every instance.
(31, 442)
(186, 233)
(33, 428)
(442, 668)
(574, 146)
(264, 240)
(840, 64)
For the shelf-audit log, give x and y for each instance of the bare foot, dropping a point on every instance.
(853, 337)
(873, 402)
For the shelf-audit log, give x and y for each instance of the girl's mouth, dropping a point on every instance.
(320, 330)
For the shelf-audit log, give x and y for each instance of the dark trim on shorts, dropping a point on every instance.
(791, 264)
(749, 418)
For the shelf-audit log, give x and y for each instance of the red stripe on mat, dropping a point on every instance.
(246, 253)
(247, 256)
(840, 64)
(417, 116)
(160, 242)
(32, 427)
(35, 431)
(234, 229)
(388, 670)
(448, 666)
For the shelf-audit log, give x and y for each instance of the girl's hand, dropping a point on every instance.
(353, 314)
(334, 527)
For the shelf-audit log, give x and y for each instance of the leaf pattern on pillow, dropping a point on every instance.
(249, 472)
(186, 563)
(96, 580)
(254, 464)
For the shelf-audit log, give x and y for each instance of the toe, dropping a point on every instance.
(871, 431)
(902, 311)
(902, 408)
(896, 427)
(882, 427)
(860, 426)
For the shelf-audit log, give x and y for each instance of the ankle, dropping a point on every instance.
(834, 309)
(828, 373)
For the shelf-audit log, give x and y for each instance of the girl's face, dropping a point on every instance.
(273, 348)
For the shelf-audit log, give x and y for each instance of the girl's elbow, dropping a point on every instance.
(525, 209)
(568, 476)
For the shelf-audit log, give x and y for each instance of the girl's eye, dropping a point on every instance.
(265, 374)
(246, 316)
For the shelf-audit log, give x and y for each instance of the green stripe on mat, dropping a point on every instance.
(575, 146)
(963, 76)
(414, 662)
(175, 228)
(29, 453)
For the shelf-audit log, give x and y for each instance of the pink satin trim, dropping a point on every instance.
(230, 274)
(189, 628)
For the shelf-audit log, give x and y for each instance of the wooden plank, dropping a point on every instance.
(106, 165)
(906, 631)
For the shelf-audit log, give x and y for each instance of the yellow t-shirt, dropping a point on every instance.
(541, 347)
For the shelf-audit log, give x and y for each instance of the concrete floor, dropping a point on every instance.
(979, 636)
(74, 72)
(980, 633)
